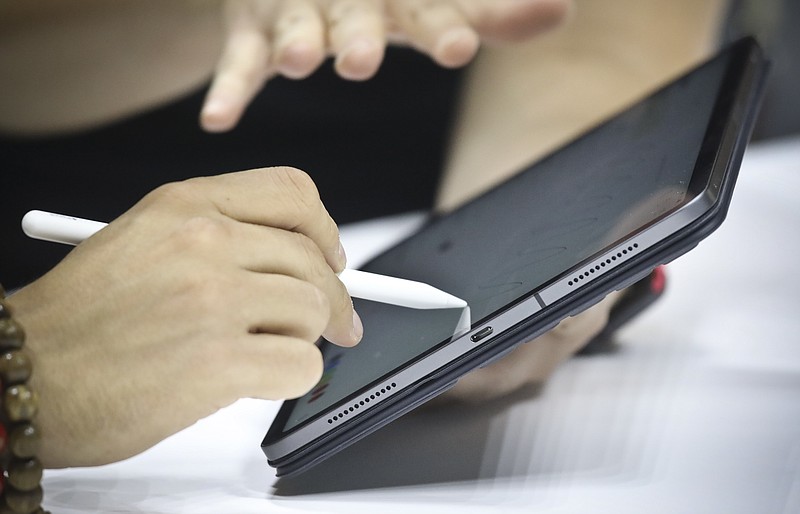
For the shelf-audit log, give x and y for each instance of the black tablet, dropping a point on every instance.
(593, 217)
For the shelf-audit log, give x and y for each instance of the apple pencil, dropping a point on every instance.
(58, 228)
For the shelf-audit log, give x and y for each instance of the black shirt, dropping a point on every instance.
(373, 148)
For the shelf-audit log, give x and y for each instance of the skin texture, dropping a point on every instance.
(206, 291)
(74, 64)
(292, 38)
(237, 272)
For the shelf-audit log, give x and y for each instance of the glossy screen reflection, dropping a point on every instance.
(510, 242)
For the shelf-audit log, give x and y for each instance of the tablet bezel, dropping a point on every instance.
(665, 238)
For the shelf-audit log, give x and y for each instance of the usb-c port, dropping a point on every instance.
(480, 334)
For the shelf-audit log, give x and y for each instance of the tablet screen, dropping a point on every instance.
(545, 221)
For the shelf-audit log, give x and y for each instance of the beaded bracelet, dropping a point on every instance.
(20, 490)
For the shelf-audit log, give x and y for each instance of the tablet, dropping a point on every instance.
(593, 217)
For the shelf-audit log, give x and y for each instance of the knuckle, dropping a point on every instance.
(311, 262)
(298, 186)
(201, 232)
(171, 193)
(318, 307)
(305, 310)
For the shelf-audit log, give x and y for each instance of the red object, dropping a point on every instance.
(658, 280)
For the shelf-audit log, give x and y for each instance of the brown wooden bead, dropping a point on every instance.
(11, 334)
(24, 441)
(15, 367)
(20, 403)
(5, 312)
(23, 502)
(24, 475)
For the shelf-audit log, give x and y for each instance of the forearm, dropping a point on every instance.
(522, 101)
(70, 65)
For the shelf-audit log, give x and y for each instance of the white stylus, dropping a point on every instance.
(58, 228)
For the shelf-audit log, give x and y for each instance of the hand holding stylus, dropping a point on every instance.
(207, 290)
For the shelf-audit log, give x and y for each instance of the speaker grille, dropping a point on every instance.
(346, 411)
(597, 267)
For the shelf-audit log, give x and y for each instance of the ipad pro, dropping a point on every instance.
(593, 217)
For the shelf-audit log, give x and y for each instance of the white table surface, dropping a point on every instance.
(699, 412)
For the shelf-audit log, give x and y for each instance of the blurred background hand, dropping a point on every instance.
(265, 38)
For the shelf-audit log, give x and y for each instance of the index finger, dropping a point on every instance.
(241, 69)
(280, 197)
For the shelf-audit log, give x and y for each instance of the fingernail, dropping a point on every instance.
(358, 61)
(215, 106)
(358, 327)
(456, 47)
(216, 115)
(299, 59)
